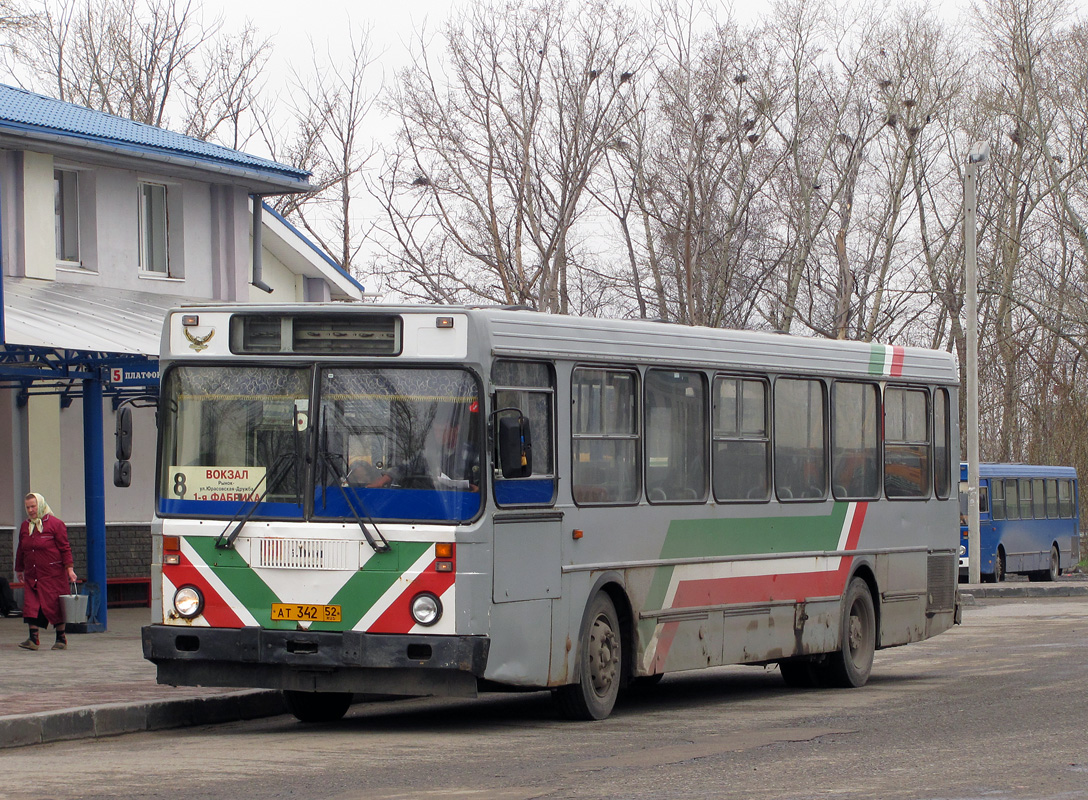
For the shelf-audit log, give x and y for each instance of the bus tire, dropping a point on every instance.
(1053, 569)
(800, 672)
(600, 656)
(850, 665)
(317, 706)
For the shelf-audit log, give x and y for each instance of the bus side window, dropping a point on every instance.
(528, 387)
(675, 436)
(1051, 498)
(741, 443)
(1065, 498)
(1012, 499)
(906, 443)
(605, 431)
(997, 501)
(800, 439)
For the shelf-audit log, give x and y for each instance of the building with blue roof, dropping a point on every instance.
(106, 223)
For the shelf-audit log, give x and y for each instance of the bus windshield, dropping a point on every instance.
(233, 437)
(391, 444)
(398, 444)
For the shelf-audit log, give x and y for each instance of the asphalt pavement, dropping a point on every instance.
(102, 686)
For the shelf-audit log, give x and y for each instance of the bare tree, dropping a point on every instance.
(330, 139)
(497, 157)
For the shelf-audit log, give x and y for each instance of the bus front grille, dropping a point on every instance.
(304, 554)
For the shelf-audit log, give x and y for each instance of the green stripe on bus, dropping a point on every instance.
(239, 578)
(723, 538)
(365, 587)
(877, 357)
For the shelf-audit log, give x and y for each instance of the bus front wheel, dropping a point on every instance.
(600, 656)
(851, 664)
(317, 706)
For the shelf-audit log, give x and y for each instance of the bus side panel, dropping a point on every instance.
(902, 578)
(520, 653)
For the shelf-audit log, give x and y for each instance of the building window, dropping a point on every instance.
(66, 215)
(153, 250)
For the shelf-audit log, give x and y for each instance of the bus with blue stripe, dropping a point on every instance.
(1028, 521)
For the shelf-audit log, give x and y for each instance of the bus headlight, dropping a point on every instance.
(426, 609)
(188, 601)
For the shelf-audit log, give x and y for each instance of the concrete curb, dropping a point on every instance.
(92, 722)
(1061, 589)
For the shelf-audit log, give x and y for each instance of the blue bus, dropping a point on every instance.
(1028, 521)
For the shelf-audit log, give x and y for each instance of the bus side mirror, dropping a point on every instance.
(123, 433)
(122, 470)
(122, 474)
(515, 447)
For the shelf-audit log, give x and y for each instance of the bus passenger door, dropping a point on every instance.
(526, 580)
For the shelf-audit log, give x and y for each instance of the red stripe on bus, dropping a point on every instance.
(760, 588)
(216, 610)
(398, 617)
(897, 362)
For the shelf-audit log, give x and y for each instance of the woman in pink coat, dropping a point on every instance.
(44, 564)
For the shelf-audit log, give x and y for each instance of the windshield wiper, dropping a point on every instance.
(272, 478)
(342, 482)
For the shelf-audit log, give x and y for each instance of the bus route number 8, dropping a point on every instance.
(179, 484)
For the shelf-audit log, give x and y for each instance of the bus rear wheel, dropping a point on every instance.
(851, 664)
(1053, 569)
(317, 706)
(600, 656)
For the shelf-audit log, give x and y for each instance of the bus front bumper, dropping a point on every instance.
(348, 661)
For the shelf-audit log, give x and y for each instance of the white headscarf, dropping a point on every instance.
(43, 511)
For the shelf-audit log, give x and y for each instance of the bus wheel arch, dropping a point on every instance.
(603, 656)
(851, 665)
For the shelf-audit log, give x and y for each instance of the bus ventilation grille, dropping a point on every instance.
(942, 572)
(304, 554)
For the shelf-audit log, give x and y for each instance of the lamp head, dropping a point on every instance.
(979, 154)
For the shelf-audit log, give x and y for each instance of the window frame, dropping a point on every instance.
(702, 435)
(877, 448)
(740, 435)
(825, 440)
(925, 482)
(66, 216)
(498, 481)
(634, 436)
(143, 224)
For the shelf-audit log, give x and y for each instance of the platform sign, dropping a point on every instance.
(144, 374)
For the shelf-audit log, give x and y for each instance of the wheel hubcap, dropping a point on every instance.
(603, 656)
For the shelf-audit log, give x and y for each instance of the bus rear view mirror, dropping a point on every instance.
(515, 447)
(124, 433)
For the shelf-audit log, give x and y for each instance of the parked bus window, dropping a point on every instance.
(1012, 498)
(741, 445)
(1052, 498)
(1065, 498)
(906, 443)
(528, 387)
(676, 437)
(942, 450)
(1025, 498)
(855, 441)
(800, 439)
(605, 436)
(997, 492)
(1038, 497)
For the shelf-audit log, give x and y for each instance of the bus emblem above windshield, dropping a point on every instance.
(199, 343)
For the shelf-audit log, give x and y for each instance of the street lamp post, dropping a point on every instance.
(980, 152)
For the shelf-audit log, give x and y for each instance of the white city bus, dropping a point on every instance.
(444, 500)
